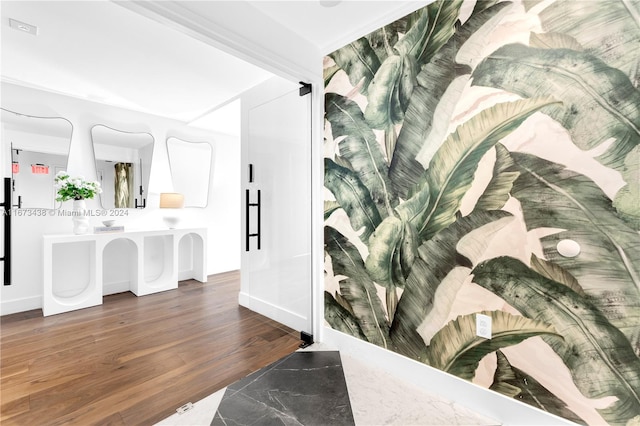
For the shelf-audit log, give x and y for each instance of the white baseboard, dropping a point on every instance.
(505, 411)
(20, 305)
(187, 274)
(115, 287)
(35, 302)
(276, 313)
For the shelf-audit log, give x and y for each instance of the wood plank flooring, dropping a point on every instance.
(133, 360)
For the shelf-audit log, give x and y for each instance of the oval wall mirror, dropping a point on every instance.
(39, 148)
(190, 164)
(123, 166)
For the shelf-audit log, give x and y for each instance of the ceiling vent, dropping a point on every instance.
(23, 26)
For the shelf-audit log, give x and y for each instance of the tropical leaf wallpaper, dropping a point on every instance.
(483, 157)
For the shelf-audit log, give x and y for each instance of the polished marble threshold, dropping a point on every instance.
(376, 398)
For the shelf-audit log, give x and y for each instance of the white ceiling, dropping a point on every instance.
(100, 51)
(328, 26)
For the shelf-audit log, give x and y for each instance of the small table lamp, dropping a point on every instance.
(173, 201)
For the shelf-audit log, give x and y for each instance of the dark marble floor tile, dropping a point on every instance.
(304, 388)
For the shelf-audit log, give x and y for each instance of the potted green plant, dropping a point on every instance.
(77, 189)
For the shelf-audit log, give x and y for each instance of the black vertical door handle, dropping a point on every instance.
(248, 206)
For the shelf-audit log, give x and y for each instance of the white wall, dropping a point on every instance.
(221, 216)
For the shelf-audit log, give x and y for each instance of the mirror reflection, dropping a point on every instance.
(123, 165)
(190, 164)
(39, 148)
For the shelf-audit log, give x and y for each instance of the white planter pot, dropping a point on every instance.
(80, 219)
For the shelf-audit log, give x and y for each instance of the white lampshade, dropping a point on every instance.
(171, 200)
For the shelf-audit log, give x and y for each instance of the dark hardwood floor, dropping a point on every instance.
(133, 360)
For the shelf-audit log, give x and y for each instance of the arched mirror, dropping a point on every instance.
(39, 148)
(190, 164)
(123, 165)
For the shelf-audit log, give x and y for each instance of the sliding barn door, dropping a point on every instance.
(276, 260)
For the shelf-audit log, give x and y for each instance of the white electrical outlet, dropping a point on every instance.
(483, 326)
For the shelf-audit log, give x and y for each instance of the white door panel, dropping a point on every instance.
(277, 277)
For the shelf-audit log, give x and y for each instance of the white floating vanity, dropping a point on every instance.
(80, 269)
